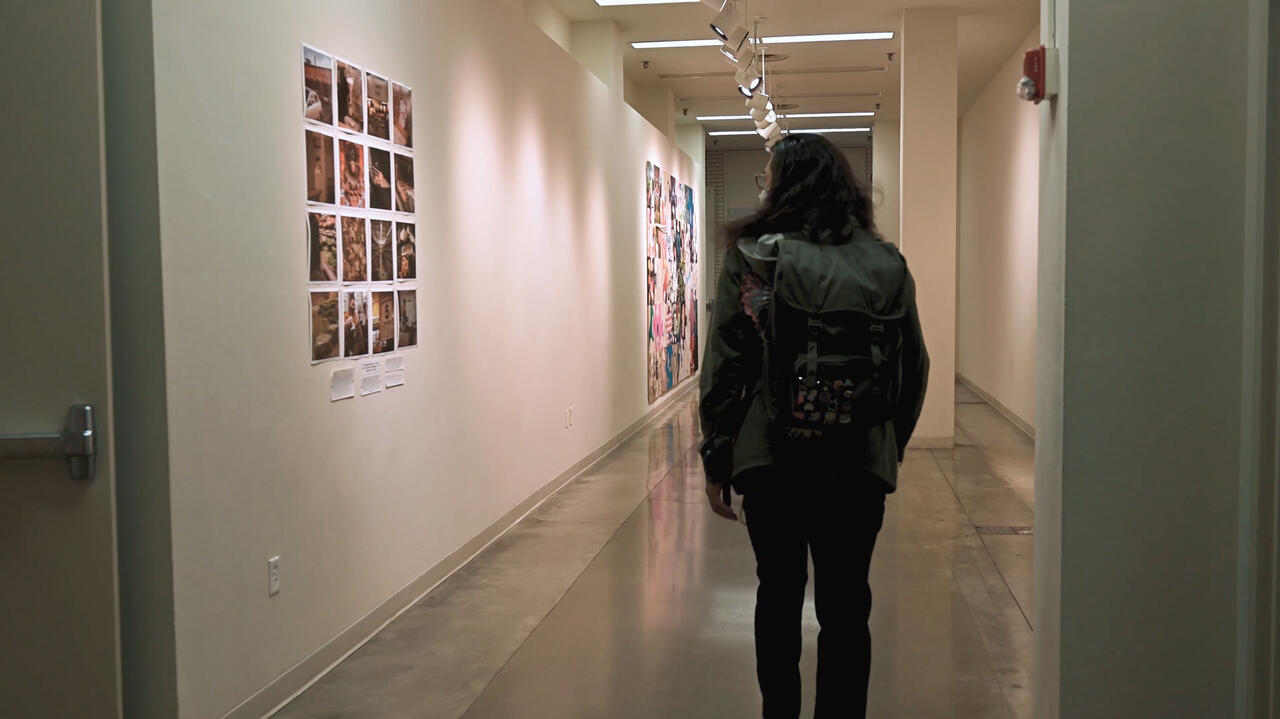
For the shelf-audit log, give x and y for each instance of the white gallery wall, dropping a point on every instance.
(531, 297)
(996, 262)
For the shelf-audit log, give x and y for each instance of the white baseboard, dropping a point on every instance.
(301, 676)
(1022, 424)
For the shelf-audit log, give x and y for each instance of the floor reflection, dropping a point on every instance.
(623, 596)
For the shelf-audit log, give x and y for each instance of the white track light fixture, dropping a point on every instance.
(743, 54)
(771, 135)
(759, 102)
(763, 114)
(769, 130)
(730, 25)
(767, 120)
(749, 79)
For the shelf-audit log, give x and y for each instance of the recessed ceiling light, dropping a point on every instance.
(721, 118)
(609, 3)
(724, 133)
(778, 40)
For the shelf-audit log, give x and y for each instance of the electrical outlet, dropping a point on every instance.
(273, 576)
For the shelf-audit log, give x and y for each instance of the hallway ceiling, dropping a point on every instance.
(818, 77)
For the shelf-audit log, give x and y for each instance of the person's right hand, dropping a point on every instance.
(715, 495)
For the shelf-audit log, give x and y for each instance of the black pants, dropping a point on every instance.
(791, 513)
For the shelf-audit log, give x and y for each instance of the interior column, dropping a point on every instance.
(886, 153)
(928, 202)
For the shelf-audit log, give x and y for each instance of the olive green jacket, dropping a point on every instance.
(735, 423)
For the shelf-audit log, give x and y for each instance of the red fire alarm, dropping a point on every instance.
(1039, 75)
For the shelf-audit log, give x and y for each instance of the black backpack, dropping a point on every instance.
(830, 315)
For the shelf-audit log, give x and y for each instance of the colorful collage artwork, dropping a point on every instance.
(671, 260)
(361, 224)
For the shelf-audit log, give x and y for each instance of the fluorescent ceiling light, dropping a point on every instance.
(785, 116)
(675, 43)
(778, 40)
(812, 115)
(610, 3)
(844, 37)
(726, 133)
(830, 129)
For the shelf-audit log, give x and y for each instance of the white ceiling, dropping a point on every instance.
(819, 77)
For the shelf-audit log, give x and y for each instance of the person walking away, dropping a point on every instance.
(815, 377)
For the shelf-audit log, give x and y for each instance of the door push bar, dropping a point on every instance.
(78, 443)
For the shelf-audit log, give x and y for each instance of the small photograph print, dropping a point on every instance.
(406, 251)
(404, 184)
(322, 246)
(355, 323)
(355, 250)
(353, 174)
(350, 97)
(408, 318)
(382, 250)
(384, 322)
(379, 104)
(403, 116)
(317, 85)
(653, 194)
(319, 168)
(324, 326)
(379, 179)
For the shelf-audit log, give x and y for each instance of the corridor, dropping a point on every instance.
(623, 596)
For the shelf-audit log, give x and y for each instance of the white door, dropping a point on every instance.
(59, 646)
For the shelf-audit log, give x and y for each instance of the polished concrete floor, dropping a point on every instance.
(622, 596)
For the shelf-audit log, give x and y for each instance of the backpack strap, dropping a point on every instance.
(811, 356)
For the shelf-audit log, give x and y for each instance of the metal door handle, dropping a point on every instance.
(78, 443)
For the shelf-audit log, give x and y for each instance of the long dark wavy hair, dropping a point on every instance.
(813, 191)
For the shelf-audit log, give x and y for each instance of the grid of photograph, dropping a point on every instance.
(361, 212)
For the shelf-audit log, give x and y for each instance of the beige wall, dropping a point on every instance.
(551, 21)
(655, 102)
(598, 46)
(531, 299)
(857, 157)
(996, 263)
(741, 193)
